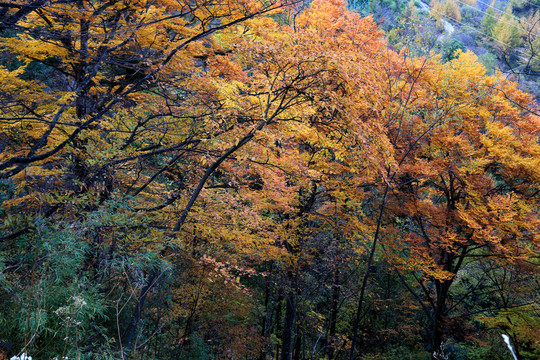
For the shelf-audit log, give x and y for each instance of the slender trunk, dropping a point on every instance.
(366, 275)
(333, 315)
(288, 325)
(269, 306)
(292, 279)
(278, 322)
(298, 342)
(267, 311)
(132, 329)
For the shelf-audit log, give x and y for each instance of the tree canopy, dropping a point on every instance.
(258, 179)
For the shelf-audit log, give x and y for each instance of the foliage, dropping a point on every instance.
(506, 31)
(200, 179)
(451, 9)
(489, 21)
(452, 49)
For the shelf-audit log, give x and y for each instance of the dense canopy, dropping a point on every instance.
(249, 179)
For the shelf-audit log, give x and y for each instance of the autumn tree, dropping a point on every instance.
(318, 135)
(117, 99)
(489, 20)
(469, 187)
(184, 179)
(506, 31)
(530, 26)
(451, 9)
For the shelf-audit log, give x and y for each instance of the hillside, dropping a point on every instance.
(505, 35)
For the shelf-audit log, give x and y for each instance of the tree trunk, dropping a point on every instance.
(288, 327)
(366, 275)
(278, 322)
(132, 328)
(333, 315)
(269, 306)
(298, 342)
(439, 318)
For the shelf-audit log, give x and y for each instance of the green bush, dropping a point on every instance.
(450, 49)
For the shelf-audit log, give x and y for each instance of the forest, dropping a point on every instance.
(269, 179)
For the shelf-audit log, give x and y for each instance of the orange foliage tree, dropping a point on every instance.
(467, 184)
(186, 145)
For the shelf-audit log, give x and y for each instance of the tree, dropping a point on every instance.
(506, 31)
(118, 98)
(451, 9)
(460, 194)
(531, 31)
(489, 20)
(222, 172)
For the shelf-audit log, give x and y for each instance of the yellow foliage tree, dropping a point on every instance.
(451, 9)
